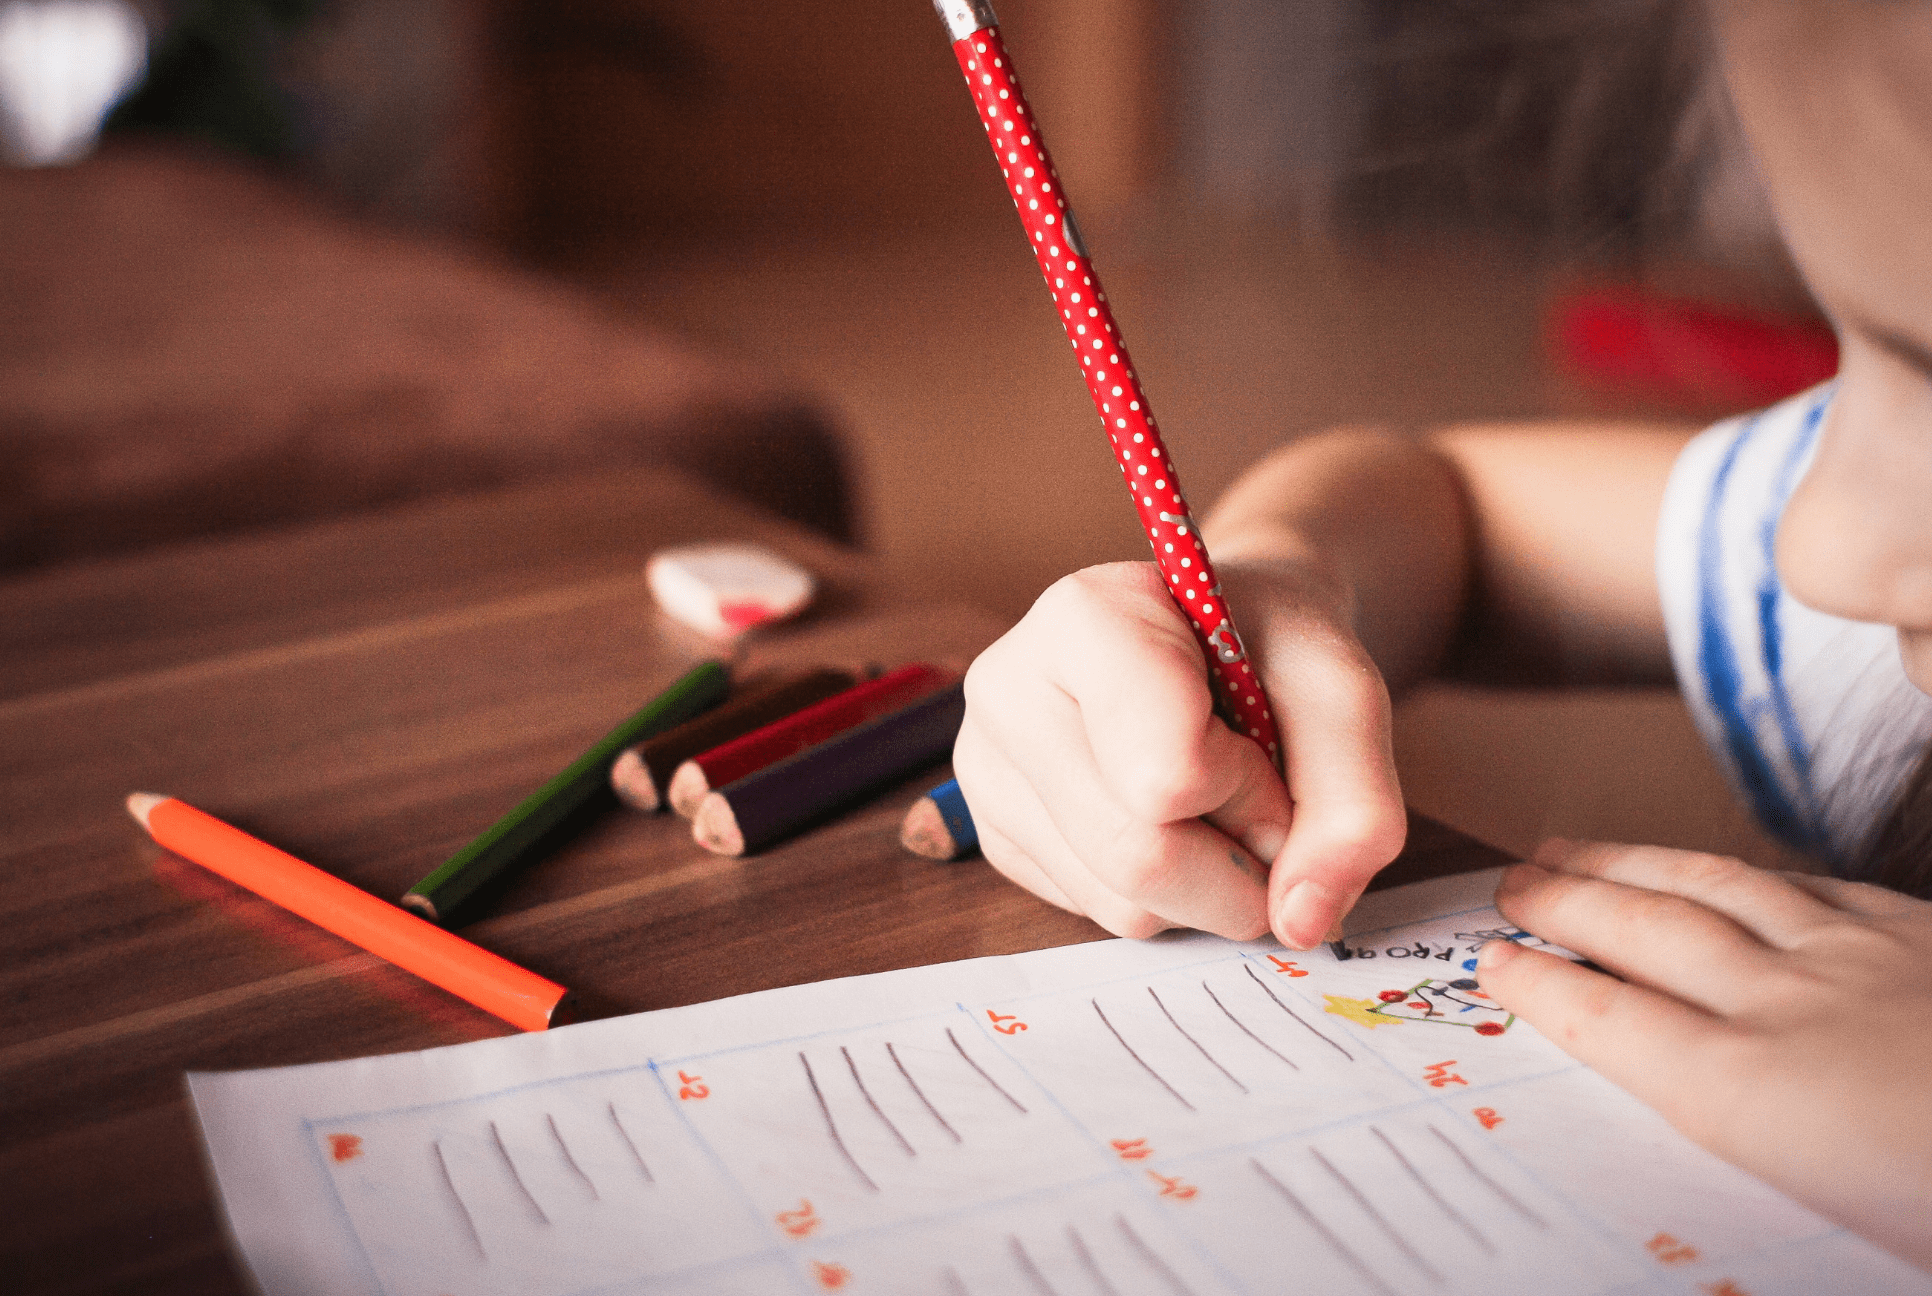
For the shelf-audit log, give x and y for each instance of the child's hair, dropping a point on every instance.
(1602, 126)
(1899, 853)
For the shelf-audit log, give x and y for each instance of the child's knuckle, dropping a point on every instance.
(1139, 862)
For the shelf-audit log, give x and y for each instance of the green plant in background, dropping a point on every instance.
(212, 76)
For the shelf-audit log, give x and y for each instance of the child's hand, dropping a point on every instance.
(1101, 779)
(1782, 1021)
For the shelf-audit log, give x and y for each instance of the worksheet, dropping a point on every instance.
(1186, 1116)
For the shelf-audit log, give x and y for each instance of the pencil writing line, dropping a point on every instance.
(1196, 1043)
(1158, 1078)
(1327, 1234)
(831, 1126)
(1297, 1016)
(997, 1087)
(912, 1084)
(1244, 1028)
(859, 1080)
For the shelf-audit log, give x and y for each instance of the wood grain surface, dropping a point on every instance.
(368, 694)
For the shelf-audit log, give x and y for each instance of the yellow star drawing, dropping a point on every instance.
(1361, 1011)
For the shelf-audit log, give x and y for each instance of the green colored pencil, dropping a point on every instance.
(510, 843)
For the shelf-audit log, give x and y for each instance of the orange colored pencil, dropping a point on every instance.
(492, 983)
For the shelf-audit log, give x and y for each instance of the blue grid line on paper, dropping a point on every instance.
(752, 1213)
(1588, 1221)
(777, 1253)
(1786, 1247)
(647, 1063)
(668, 1276)
(1119, 1171)
(770, 1254)
(1342, 1122)
(346, 1220)
(1234, 950)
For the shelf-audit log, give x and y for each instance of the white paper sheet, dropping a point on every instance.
(1186, 1115)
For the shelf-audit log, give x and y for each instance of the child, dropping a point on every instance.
(1782, 562)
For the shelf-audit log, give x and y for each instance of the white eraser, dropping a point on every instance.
(726, 589)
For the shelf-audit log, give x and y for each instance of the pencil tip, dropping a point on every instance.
(687, 789)
(422, 906)
(924, 831)
(141, 805)
(631, 780)
(715, 826)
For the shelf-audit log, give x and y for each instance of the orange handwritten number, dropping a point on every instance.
(1488, 1116)
(1438, 1075)
(1286, 965)
(690, 1086)
(1722, 1287)
(1669, 1250)
(799, 1223)
(345, 1147)
(1174, 1186)
(1132, 1149)
(831, 1276)
(1005, 1024)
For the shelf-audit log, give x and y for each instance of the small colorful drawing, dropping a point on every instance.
(1460, 1002)
(1360, 1011)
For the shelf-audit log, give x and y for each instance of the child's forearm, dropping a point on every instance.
(1371, 521)
(1524, 551)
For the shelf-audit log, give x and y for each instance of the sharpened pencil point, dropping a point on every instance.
(687, 789)
(421, 906)
(631, 780)
(141, 805)
(715, 826)
(925, 833)
(1339, 949)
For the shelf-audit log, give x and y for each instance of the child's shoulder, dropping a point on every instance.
(1745, 468)
(1810, 715)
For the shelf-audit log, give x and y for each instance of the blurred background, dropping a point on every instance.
(272, 260)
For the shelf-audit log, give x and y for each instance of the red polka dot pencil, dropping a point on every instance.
(1111, 380)
(731, 761)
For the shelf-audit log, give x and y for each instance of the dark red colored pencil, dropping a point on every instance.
(642, 773)
(734, 760)
(811, 785)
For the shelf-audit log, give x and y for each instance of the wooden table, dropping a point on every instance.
(369, 694)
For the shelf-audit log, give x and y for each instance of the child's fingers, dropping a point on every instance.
(1019, 840)
(1860, 898)
(1142, 692)
(1131, 877)
(1761, 902)
(1650, 937)
(1186, 871)
(1349, 820)
(1652, 1045)
(1017, 867)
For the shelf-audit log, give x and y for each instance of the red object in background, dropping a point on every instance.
(1678, 351)
(1055, 240)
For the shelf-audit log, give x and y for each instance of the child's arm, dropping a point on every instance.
(1779, 1020)
(1090, 753)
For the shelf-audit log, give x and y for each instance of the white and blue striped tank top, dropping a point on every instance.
(1811, 716)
